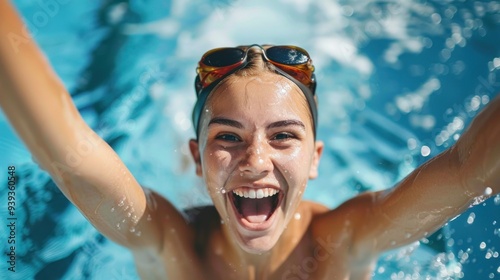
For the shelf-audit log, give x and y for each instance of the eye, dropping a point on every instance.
(283, 136)
(227, 137)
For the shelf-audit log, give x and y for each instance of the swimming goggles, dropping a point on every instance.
(290, 61)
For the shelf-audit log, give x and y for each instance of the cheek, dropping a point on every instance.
(217, 164)
(295, 166)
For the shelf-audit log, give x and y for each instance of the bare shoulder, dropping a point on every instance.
(332, 234)
(340, 225)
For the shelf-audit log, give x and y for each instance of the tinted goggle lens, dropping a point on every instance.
(223, 57)
(287, 55)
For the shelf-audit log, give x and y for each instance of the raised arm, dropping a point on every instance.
(431, 195)
(83, 166)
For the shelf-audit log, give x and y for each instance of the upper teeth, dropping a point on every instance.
(255, 193)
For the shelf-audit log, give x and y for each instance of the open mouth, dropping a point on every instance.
(255, 206)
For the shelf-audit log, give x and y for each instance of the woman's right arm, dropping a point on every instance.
(84, 167)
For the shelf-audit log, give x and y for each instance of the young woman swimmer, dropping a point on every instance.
(256, 149)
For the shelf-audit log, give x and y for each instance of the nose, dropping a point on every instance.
(257, 158)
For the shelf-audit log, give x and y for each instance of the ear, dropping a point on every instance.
(195, 152)
(318, 151)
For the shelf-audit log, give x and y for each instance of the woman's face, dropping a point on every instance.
(256, 152)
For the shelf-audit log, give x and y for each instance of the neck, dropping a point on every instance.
(255, 261)
(263, 264)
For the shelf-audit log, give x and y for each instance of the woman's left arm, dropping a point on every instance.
(478, 153)
(431, 195)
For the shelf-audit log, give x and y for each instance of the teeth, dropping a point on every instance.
(259, 193)
(255, 194)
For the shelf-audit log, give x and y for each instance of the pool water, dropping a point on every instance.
(397, 82)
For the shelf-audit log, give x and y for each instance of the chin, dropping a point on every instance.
(258, 245)
(258, 241)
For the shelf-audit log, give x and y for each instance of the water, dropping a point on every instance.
(398, 81)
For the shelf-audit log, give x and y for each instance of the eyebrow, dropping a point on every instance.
(224, 121)
(284, 123)
(236, 124)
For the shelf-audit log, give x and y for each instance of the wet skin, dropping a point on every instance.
(257, 134)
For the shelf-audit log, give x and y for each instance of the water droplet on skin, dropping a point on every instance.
(118, 226)
(488, 191)
(149, 218)
(129, 214)
(123, 221)
(138, 233)
(112, 209)
(132, 229)
(297, 216)
(121, 203)
(223, 191)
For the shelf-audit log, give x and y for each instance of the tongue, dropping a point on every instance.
(256, 210)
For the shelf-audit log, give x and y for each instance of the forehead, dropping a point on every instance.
(267, 93)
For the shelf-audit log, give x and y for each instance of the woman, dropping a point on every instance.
(255, 120)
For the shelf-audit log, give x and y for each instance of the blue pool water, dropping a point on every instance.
(398, 81)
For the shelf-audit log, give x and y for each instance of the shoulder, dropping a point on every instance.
(344, 221)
